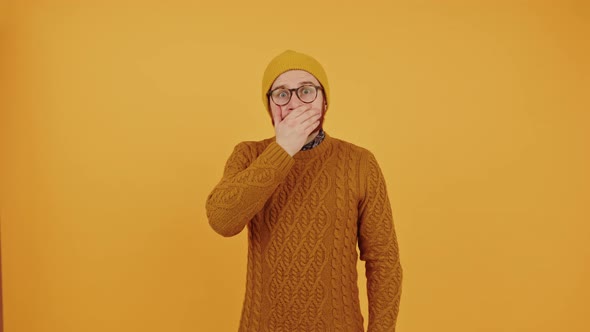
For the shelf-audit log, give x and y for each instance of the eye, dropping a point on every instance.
(280, 93)
(306, 90)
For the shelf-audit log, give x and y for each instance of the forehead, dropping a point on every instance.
(292, 78)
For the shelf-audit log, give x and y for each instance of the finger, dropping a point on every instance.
(311, 120)
(309, 115)
(298, 111)
(312, 126)
(276, 117)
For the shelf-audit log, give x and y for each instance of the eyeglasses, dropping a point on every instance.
(305, 93)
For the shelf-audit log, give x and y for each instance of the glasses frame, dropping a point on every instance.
(318, 87)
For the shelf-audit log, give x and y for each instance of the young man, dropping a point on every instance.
(307, 199)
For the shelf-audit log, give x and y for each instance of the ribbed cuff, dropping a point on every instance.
(277, 156)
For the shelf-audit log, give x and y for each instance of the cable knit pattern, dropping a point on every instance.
(305, 216)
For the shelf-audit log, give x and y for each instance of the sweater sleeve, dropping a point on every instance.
(378, 248)
(245, 187)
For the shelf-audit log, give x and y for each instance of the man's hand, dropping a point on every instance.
(292, 131)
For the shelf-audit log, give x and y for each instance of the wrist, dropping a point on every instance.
(288, 150)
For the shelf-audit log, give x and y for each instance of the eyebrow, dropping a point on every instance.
(300, 84)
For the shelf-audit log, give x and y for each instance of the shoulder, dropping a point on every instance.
(365, 165)
(355, 151)
(362, 158)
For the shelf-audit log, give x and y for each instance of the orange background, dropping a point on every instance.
(117, 118)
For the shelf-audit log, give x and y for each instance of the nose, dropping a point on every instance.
(294, 102)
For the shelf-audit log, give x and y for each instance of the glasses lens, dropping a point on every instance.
(281, 96)
(307, 93)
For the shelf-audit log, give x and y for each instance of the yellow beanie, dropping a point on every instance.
(290, 60)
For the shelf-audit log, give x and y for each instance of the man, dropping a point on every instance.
(307, 199)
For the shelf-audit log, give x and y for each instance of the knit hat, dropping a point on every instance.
(290, 60)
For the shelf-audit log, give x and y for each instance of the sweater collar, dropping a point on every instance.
(318, 150)
(315, 142)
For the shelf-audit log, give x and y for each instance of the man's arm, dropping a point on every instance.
(245, 187)
(379, 249)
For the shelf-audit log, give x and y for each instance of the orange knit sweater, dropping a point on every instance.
(305, 216)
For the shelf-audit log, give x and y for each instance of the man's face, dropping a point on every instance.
(293, 79)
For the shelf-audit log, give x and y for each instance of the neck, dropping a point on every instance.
(319, 150)
(312, 136)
